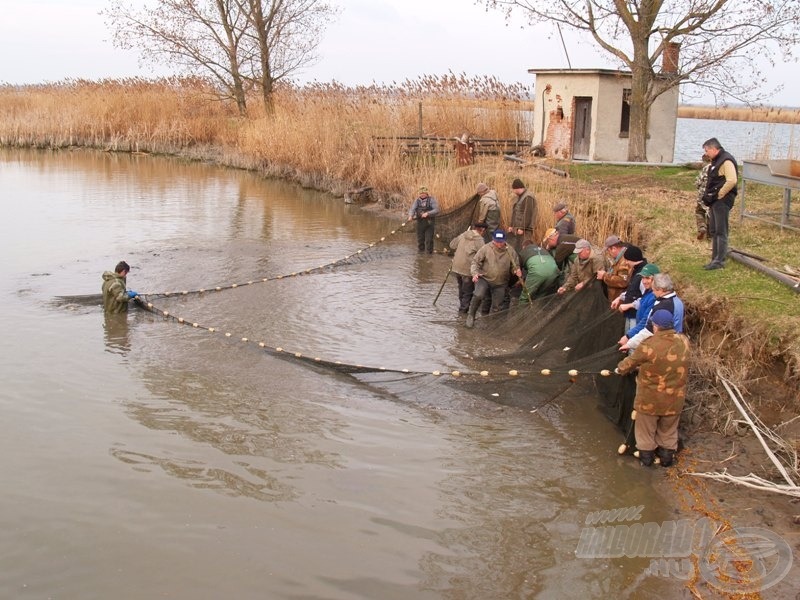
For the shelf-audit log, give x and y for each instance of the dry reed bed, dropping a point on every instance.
(763, 114)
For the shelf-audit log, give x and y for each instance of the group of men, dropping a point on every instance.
(492, 261)
(565, 263)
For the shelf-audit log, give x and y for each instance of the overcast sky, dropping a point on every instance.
(373, 40)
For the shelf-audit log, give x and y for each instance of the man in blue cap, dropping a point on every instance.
(663, 363)
(491, 269)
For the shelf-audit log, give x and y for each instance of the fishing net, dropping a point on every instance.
(553, 346)
(535, 356)
(451, 224)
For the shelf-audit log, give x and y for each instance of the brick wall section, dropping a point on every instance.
(558, 139)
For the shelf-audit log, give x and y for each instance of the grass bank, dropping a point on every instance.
(324, 136)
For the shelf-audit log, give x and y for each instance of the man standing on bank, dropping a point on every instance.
(115, 296)
(663, 362)
(721, 190)
(523, 215)
(423, 211)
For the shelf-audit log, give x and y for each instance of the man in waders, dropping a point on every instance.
(491, 268)
(423, 211)
(115, 295)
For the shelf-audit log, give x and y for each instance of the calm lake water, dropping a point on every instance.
(745, 140)
(146, 459)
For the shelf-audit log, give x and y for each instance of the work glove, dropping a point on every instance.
(132, 294)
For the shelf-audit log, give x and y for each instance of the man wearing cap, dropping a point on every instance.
(588, 261)
(488, 210)
(491, 269)
(643, 305)
(663, 363)
(616, 274)
(523, 215)
(423, 211)
(565, 222)
(466, 245)
(665, 299)
(562, 247)
(540, 271)
(637, 262)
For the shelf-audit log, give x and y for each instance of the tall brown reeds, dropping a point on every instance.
(761, 114)
(323, 135)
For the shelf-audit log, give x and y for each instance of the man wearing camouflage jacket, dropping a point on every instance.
(663, 363)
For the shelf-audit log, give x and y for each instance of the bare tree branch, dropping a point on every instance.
(238, 44)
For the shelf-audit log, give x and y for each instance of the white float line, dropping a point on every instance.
(573, 374)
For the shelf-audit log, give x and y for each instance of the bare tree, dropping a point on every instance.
(286, 34)
(724, 44)
(238, 44)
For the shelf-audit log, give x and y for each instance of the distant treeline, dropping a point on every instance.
(762, 114)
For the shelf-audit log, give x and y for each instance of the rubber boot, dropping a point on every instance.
(667, 457)
(473, 308)
(646, 457)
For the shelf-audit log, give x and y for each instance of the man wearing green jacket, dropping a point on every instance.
(115, 295)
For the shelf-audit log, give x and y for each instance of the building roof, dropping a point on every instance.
(614, 72)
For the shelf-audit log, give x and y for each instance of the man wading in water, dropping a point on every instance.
(115, 296)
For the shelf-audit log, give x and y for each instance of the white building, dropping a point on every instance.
(584, 114)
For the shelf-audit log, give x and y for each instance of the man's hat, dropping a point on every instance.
(560, 206)
(548, 234)
(499, 236)
(482, 188)
(517, 185)
(649, 270)
(423, 189)
(633, 253)
(612, 240)
(581, 245)
(662, 318)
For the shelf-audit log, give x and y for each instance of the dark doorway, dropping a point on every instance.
(582, 129)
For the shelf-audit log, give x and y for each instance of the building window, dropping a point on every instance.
(625, 117)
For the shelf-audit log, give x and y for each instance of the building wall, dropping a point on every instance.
(555, 102)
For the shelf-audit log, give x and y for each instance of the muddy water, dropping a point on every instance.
(142, 458)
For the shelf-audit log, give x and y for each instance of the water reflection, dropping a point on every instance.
(116, 333)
